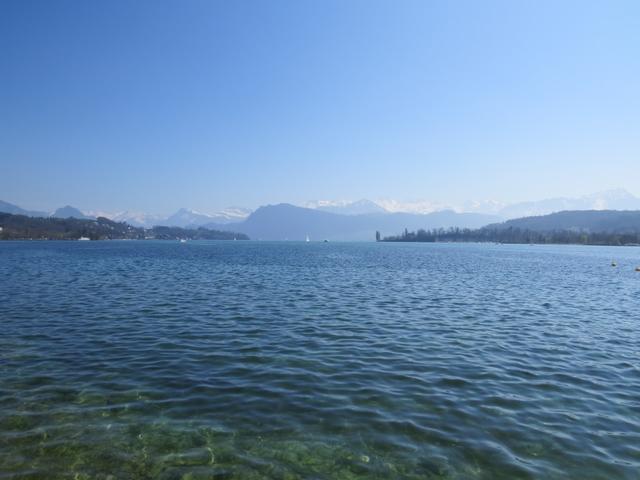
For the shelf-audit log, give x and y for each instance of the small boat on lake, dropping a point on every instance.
(84, 239)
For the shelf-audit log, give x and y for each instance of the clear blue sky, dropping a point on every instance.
(153, 105)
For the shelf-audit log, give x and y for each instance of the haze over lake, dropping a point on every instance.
(318, 360)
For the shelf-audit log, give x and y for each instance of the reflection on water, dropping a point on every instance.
(124, 360)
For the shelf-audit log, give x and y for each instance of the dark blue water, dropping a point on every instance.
(135, 360)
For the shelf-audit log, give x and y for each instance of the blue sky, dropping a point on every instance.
(154, 105)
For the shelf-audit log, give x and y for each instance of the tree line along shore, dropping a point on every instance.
(22, 227)
(516, 235)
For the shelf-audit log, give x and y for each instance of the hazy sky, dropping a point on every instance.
(153, 105)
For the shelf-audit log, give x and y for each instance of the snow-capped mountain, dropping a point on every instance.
(137, 219)
(618, 199)
(231, 215)
(99, 213)
(185, 217)
(481, 206)
(346, 207)
(182, 218)
(412, 206)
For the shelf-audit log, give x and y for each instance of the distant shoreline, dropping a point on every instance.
(67, 240)
(22, 227)
(506, 233)
(122, 239)
(518, 243)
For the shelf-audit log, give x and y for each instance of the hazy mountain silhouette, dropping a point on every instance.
(601, 221)
(190, 218)
(137, 219)
(288, 222)
(7, 207)
(339, 220)
(185, 217)
(617, 199)
(70, 212)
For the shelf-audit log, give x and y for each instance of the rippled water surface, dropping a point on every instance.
(136, 360)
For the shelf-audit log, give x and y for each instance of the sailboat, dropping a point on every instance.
(307, 240)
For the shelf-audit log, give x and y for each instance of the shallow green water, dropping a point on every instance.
(141, 360)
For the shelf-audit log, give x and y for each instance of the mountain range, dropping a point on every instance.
(184, 217)
(360, 207)
(349, 220)
(578, 227)
(7, 207)
(289, 222)
(618, 199)
(588, 221)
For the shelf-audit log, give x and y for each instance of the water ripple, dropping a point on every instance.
(123, 360)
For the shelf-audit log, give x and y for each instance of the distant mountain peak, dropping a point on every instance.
(70, 212)
(412, 206)
(185, 217)
(614, 199)
(189, 211)
(615, 194)
(289, 222)
(7, 207)
(188, 217)
(346, 207)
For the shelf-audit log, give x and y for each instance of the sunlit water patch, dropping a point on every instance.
(141, 360)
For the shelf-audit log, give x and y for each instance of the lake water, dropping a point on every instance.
(136, 360)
